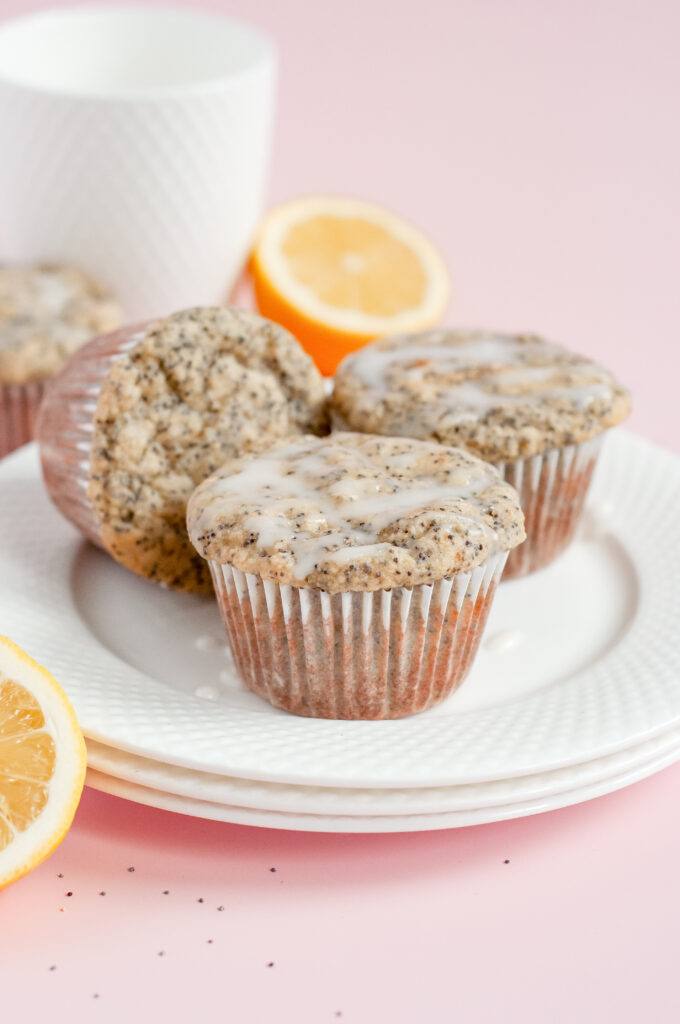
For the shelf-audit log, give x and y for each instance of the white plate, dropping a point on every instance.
(375, 823)
(597, 668)
(417, 800)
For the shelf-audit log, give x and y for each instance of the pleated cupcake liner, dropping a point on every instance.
(66, 425)
(19, 404)
(379, 655)
(552, 489)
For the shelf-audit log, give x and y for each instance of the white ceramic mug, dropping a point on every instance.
(134, 143)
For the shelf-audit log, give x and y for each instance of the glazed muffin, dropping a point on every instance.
(46, 313)
(143, 415)
(355, 573)
(534, 409)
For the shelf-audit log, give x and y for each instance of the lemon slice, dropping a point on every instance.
(42, 763)
(339, 272)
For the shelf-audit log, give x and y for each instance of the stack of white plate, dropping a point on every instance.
(575, 692)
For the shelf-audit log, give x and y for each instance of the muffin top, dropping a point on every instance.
(503, 397)
(46, 313)
(355, 512)
(198, 387)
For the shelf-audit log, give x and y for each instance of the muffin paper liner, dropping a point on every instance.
(66, 424)
(355, 655)
(19, 405)
(552, 490)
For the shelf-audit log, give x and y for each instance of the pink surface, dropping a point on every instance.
(538, 144)
(580, 925)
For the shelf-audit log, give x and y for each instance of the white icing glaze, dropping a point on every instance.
(343, 556)
(373, 363)
(207, 692)
(376, 511)
(514, 371)
(206, 642)
(327, 503)
(504, 640)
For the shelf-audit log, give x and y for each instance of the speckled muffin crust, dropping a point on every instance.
(200, 387)
(502, 397)
(354, 512)
(46, 313)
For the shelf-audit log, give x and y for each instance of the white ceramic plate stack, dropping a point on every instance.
(575, 692)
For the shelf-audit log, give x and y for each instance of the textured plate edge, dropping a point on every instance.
(371, 825)
(109, 762)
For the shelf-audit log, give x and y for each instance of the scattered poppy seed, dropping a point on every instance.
(220, 908)
(270, 964)
(166, 892)
(200, 900)
(272, 869)
(506, 861)
(209, 941)
(161, 952)
(60, 875)
(131, 869)
(102, 893)
(69, 894)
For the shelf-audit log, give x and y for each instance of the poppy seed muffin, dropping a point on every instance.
(355, 572)
(534, 409)
(174, 400)
(46, 313)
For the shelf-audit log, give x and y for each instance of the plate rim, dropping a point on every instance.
(372, 824)
(112, 762)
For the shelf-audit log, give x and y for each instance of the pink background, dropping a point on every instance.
(537, 143)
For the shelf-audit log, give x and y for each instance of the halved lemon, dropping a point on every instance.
(42, 763)
(338, 272)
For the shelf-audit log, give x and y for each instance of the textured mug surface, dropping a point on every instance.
(135, 146)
